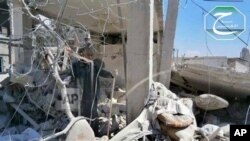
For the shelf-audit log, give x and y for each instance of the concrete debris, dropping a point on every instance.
(119, 93)
(227, 77)
(164, 114)
(174, 117)
(117, 123)
(139, 128)
(159, 113)
(117, 108)
(46, 99)
(226, 129)
(164, 111)
(210, 102)
(103, 138)
(211, 132)
(21, 79)
(209, 129)
(48, 125)
(76, 132)
(162, 91)
(14, 130)
(26, 135)
(118, 113)
(39, 98)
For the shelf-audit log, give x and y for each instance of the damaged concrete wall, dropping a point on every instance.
(215, 61)
(113, 59)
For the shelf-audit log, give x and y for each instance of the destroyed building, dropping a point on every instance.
(114, 60)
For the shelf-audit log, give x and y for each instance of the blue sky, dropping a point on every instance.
(190, 35)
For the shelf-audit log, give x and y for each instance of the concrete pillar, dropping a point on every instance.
(159, 14)
(16, 25)
(137, 51)
(19, 25)
(168, 42)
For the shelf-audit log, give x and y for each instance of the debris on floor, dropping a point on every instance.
(44, 100)
(166, 115)
(27, 134)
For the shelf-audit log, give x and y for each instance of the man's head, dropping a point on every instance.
(86, 52)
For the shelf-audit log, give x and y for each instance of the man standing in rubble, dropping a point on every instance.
(88, 77)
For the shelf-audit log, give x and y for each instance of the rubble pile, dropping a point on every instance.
(35, 113)
(39, 110)
(167, 114)
(118, 113)
(43, 100)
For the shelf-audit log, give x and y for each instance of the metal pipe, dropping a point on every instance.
(111, 97)
(151, 44)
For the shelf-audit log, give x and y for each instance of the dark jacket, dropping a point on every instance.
(90, 85)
